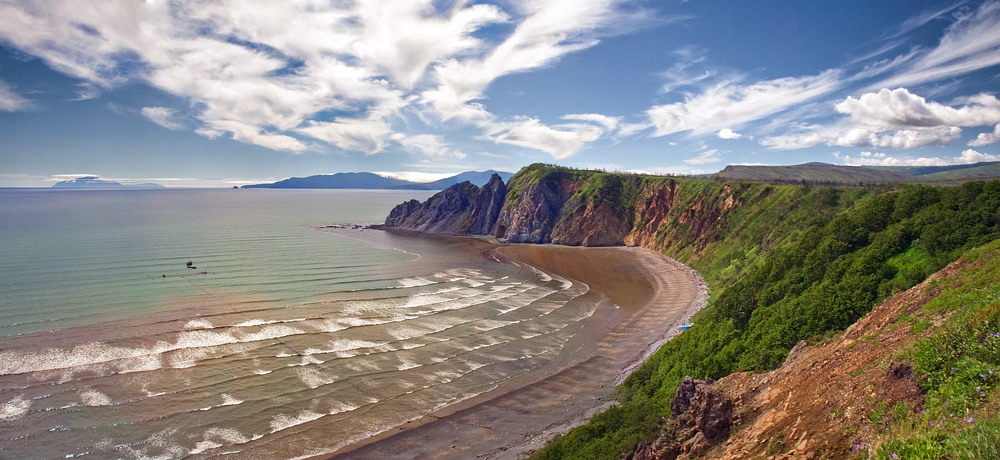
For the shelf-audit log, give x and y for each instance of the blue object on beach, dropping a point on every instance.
(685, 327)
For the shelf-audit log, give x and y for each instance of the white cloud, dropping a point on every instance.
(549, 30)
(86, 91)
(11, 101)
(366, 135)
(726, 133)
(433, 147)
(728, 104)
(561, 141)
(163, 116)
(986, 138)
(895, 119)
(609, 123)
(706, 157)
(967, 156)
(340, 72)
(971, 43)
(901, 108)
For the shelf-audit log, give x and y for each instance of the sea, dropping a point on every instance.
(249, 323)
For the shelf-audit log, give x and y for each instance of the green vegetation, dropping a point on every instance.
(811, 172)
(854, 175)
(958, 367)
(792, 263)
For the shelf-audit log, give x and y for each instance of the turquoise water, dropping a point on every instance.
(286, 340)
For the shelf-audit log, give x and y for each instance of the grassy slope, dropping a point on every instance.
(958, 367)
(818, 273)
(819, 172)
(955, 170)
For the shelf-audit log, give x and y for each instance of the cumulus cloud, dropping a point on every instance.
(729, 104)
(10, 101)
(163, 116)
(896, 119)
(726, 133)
(901, 108)
(986, 138)
(967, 156)
(560, 141)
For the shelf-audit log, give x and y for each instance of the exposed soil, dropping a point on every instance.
(824, 400)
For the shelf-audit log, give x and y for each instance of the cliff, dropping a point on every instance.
(462, 209)
(686, 218)
(785, 263)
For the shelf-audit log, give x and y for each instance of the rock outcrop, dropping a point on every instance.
(701, 417)
(462, 209)
(545, 204)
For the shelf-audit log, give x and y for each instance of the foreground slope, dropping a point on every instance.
(882, 387)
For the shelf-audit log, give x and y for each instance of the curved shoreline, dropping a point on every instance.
(654, 295)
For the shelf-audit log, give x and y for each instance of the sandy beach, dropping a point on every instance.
(647, 297)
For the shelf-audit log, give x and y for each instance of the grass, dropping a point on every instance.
(958, 367)
(785, 263)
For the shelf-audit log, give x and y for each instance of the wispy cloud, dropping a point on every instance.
(163, 116)
(10, 101)
(971, 43)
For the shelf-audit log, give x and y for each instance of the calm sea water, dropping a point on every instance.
(286, 340)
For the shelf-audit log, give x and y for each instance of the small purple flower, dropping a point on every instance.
(982, 394)
(895, 456)
(970, 420)
(982, 376)
(946, 405)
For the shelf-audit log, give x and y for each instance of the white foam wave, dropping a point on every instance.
(15, 408)
(314, 378)
(123, 359)
(284, 422)
(264, 322)
(91, 397)
(218, 437)
(198, 324)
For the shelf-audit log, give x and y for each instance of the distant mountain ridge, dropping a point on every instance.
(366, 180)
(94, 182)
(828, 173)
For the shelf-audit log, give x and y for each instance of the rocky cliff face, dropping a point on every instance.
(577, 208)
(701, 417)
(462, 209)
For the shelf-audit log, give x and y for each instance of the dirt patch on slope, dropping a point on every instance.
(830, 399)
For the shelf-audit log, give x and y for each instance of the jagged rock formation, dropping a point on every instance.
(553, 205)
(701, 417)
(462, 209)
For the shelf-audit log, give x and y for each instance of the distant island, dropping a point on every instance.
(366, 180)
(94, 182)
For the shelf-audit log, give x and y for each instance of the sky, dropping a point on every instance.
(230, 92)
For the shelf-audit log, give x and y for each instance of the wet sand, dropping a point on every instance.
(652, 296)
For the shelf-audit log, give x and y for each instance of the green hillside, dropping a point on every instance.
(811, 172)
(820, 270)
(822, 173)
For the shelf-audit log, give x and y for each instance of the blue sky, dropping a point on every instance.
(228, 92)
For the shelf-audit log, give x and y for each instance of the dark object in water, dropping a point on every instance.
(191, 265)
